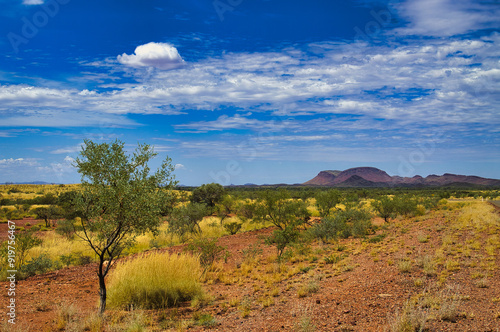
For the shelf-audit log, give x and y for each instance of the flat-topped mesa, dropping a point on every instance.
(371, 174)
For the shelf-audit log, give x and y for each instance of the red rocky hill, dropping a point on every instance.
(374, 177)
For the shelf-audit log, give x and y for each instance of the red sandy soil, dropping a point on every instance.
(363, 298)
(19, 223)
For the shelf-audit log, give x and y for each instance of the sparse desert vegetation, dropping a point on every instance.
(289, 261)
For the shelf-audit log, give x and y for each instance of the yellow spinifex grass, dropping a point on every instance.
(55, 245)
(479, 215)
(154, 280)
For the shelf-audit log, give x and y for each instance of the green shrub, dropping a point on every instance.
(328, 229)
(67, 260)
(83, 259)
(232, 227)
(204, 319)
(24, 242)
(38, 265)
(35, 228)
(334, 259)
(75, 259)
(154, 243)
(251, 252)
(65, 228)
(208, 250)
(186, 219)
(155, 280)
(351, 222)
(361, 224)
(282, 238)
(377, 238)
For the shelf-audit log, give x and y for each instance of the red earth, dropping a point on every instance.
(363, 292)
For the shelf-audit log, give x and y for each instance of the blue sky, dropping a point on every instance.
(252, 91)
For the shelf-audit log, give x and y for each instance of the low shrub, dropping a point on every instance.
(252, 252)
(309, 288)
(328, 229)
(75, 259)
(377, 238)
(204, 319)
(65, 228)
(334, 259)
(208, 251)
(155, 280)
(232, 227)
(38, 265)
(350, 222)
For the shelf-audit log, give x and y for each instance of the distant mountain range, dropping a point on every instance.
(33, 182)
(374, 177)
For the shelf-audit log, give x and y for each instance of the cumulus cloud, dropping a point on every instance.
(58, 170)
(69, 159)
(17, 162)
(179, 166)
(158, 55)
(443, 18)
(436, 81)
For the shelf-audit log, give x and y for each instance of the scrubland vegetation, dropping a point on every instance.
(314, 235)
(166, 248)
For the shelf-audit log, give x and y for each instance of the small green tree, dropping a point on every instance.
(207, 250)
(48, 213)
(24, 242)
(66, 228)
(287, 214)
(245, 210)
(327, 200)
(67, 202)
(385, 207)
(186, 219)
(120, 199)
(225, 208)
(209, 194)
(405, 205)
(282, 238)
(278, 208)
(345, 223)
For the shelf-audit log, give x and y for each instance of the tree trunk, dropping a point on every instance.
(102, 290)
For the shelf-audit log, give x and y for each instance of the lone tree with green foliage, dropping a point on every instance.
(385, 207)
(120, 199)
(287, 214)
(210, 194)
(186, 219)
(281, 210)
(48, 213)
(327, 200)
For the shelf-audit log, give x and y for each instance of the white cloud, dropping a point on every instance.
(17, 132)
(69, 159)
(32, 2)
(60, 171)
(18, 162)
(179, 166)
(158, 55)
(444, 18)
(436, 81)
(70, 149)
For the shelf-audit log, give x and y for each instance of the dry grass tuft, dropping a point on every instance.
(155, 280)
